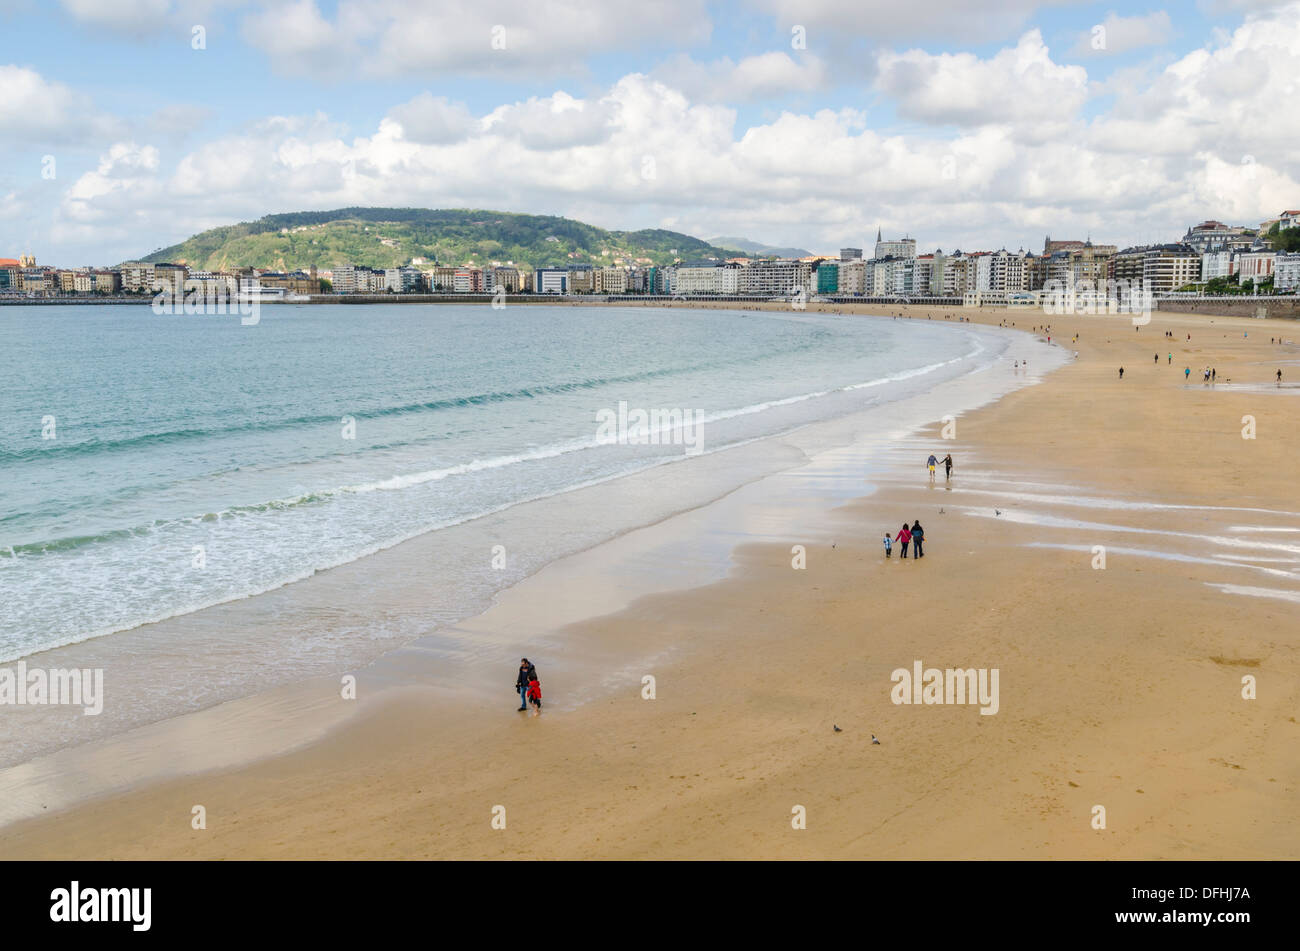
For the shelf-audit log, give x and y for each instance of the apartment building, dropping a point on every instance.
(1286, 272)
(1256, 266)
(1006, 272)
(582, 279)
(170, 279)
(1218, 264)
(611, 280)
(137, 277)
(902, 248)
(852, 276)
(826, 277)
(775, 278)
(551, 280)
(402, 280)
(705, 277)
(1216, 236)
(1160, 268)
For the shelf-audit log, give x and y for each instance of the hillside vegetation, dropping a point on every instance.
(391, 237)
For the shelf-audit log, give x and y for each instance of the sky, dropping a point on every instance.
(128, 125)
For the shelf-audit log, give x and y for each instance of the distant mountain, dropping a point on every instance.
(759, 250)
(391, 237)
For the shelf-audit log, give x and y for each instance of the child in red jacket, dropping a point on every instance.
(535, 697)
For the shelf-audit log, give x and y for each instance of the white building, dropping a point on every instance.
(853, 277)
(1216, 264)
(1286, 272)
(1256, 266)
(401, 280)
(611, 280)
(903, 248)
(779, 278)
(551, 280)
(1006, 271)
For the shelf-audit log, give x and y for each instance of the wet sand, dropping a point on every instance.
(1119, 687)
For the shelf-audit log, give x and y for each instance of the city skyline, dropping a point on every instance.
(804, 124)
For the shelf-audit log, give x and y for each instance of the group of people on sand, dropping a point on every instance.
(915, 536)
(529, 687)
(947, 465)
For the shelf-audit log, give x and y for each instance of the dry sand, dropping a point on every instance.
(1119, 688)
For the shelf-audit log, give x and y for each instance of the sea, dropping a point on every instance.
(153, 466)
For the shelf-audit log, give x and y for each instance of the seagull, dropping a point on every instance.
(874, 741)
(837, 729)
(997, 511)
(941, 510)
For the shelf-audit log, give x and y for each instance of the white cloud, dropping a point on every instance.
(35, 111)
(1019, 85)
(417, 38)
(764, 76)
(433, 120)
(555, 122)
(831, 21)
(1169, 153)
(1117, 34)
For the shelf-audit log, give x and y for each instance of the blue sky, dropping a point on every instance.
(964, 126)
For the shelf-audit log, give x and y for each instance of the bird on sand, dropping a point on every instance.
(997, 511)
(837, 729)
(874, 741)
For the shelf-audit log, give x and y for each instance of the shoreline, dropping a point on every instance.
(736, 467)
(376, 583)
(381, 719)
(1261, 307)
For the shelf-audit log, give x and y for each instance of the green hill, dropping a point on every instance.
(390, 237)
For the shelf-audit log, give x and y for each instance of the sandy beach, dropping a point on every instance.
(1120, 686)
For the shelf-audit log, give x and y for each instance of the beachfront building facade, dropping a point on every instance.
(611, 280)
(1255, 266)
(852, 277)
(774, 278)
(137, 277)
(507, 279)
(826, 277)
(1216, 236)
(551, 280)
(1160, 268)
(1006, 271)
(439, 278)
(1218, 265)
(1286, 272)
(704, 277)
(402, 280)
(582, 279)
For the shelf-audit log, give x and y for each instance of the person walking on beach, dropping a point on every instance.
(1279, 377)
(889, 545)
(1214, 374)
(535, 696)
(1121, 373)
(1187, 373)
(1171, 357)
(1157, 358)
(947, 465)
(918, 536)
(527, 674)
(931, 463)
(903, 538)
